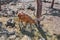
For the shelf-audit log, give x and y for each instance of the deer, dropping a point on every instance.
(26, 18)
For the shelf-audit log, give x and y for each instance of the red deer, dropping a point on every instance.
(25, 18)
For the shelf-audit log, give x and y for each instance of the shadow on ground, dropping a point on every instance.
(53, 12)
(41, 31)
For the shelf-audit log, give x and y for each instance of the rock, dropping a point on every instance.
(12, 37)
(10, 30)
(3, 37)
(26, 38)
(17, 38)
(1, 24)
(11, 23)
(41, 39)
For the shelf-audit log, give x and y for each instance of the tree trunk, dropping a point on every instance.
(52, 3)
(39, 8)
(44, 0)
(39, 11)
(0, 5)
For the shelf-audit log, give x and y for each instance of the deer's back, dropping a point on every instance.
(26, 18)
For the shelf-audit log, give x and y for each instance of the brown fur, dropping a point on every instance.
(25, 18)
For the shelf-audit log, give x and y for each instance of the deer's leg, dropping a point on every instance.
(20, 24)
(24, 24)
(35, 24)
(31, 27)
(28, 25)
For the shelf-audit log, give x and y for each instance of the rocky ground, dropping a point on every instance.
(50, 23)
